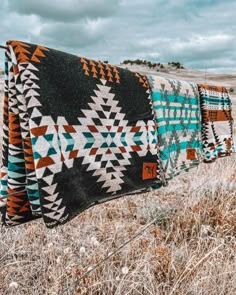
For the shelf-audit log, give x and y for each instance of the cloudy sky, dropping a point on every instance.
(198, 33)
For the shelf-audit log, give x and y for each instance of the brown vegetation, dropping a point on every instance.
(153, 65)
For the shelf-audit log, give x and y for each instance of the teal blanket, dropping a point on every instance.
(178, 120)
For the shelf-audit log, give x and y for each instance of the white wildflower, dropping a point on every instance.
(222, 241)
(13, 285)
(125, 270)
(53, 231)
(205, 230)
(50, 245)
(67, 250)
(95, 242)
(93, 239)
(59, 260)
(82, 250)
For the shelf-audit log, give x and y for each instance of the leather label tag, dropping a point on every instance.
(191, 154)
(149, 171)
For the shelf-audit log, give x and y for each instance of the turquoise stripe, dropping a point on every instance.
(3, 182)
(216, 100)
(157, 96)
(158, 120)
(70, 141)
(184, 109)
(35, 202)
(12, 174)
(13, 159)
(34, 196)
(178, 127)
(13, 167)
(3, 192)
(166, 153)
(33, 186)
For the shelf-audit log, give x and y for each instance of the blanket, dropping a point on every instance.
(76, 133)
(178, 119)
(217, 122)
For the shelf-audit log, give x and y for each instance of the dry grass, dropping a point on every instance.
(190, 250)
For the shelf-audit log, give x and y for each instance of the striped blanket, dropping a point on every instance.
(177, 111)
(76, 133)
(217, 122)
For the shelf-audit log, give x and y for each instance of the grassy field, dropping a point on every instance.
(191, 249)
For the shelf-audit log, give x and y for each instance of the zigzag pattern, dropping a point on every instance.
(18, 172)
(24, 53)
(104, 148)
(217, 122)
(26, 95)
(5, 133)
(100, 70)
(97, 132)
(18, 210)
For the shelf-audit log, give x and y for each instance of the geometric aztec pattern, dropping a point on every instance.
(77, 132)
(178, 119)
(217, 122)
(17, 169)
(59, 161)
(17, 204)
(105, 147)
(5, 134)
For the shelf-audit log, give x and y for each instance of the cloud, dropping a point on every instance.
(75, 35)
(13, 27)
(200, 46)
(195, 33)
(66, 10)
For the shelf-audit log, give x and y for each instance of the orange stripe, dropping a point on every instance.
(15, 134)
(15, 140)
(12, 117)
(136, 148)
(69, 129)
(30, 166)
(213, 88)
(214, 116)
